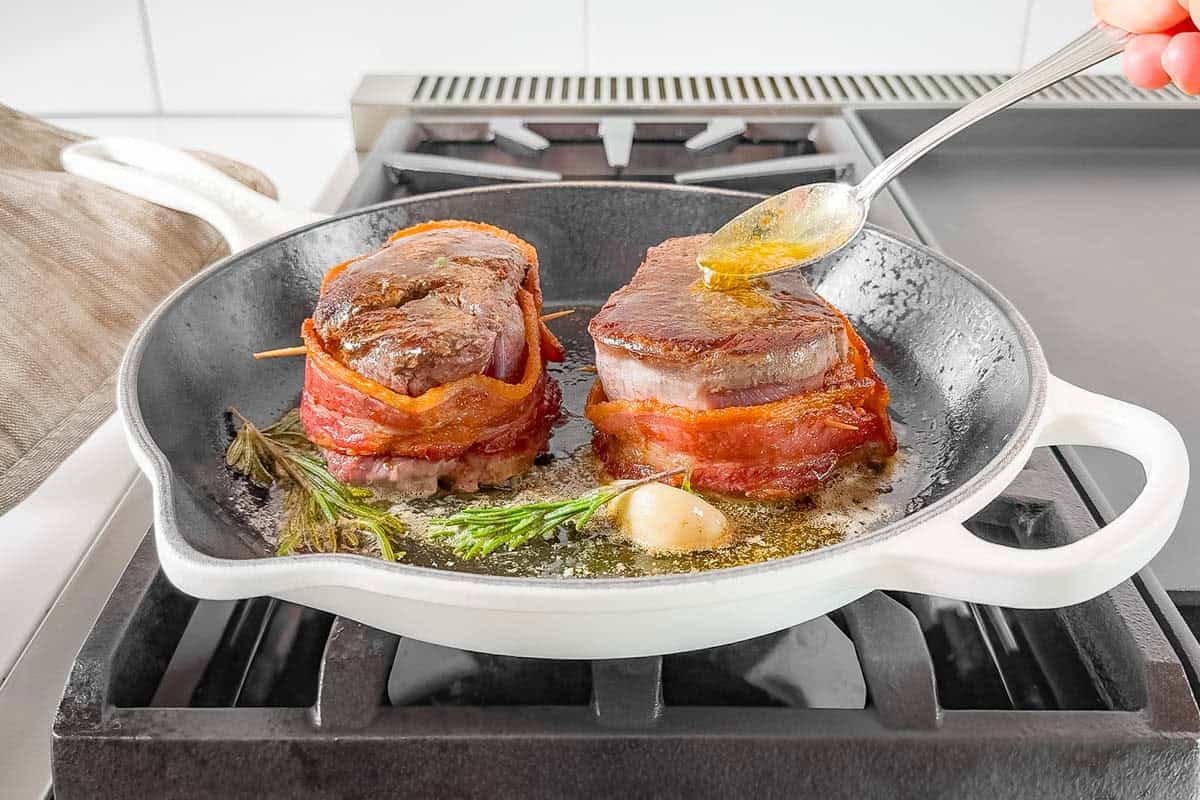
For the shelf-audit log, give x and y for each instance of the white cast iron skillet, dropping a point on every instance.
(971, 394)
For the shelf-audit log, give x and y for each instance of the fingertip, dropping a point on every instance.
(1142, 16)
(1143, 61)
(1181, 60)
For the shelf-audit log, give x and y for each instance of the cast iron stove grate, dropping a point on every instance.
(275, 700)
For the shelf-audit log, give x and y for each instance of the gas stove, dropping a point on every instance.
(894, 694)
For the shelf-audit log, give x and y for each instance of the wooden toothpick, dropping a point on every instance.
(281, 352)
(557, 315)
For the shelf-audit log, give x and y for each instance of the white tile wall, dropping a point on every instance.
(709, 36)
(280, 55)
(1053, 23)
(74, 56)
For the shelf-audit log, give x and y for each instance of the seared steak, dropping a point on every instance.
(428, 309)
(667, 337)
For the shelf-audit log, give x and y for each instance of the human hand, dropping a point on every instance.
(1167, 47)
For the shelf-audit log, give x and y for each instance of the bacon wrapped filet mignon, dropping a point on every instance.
(426, 361)
(762, 388)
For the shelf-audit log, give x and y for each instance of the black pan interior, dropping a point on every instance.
(958, 367)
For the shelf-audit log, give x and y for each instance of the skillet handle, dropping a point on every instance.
(948, 560)
(175, 179)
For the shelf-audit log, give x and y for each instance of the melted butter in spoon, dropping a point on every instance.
(753, 258)
(783, 232)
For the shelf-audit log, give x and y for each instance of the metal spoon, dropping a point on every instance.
(808, 223)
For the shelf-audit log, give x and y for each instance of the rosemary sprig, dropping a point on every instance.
(477, 532)
(251, 452)
(320, 513)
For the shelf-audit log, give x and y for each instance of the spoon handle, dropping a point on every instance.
(1100, 42)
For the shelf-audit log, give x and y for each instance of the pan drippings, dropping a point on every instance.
(853, 503)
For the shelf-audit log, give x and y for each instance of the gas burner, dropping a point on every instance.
(733, 153)
(419, 154)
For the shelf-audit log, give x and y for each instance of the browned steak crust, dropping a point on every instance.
(428, 309)
(666, 336)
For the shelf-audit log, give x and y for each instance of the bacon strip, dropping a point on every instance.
(486, 464)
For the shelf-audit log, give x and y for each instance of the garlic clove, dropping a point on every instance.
(661, 518)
